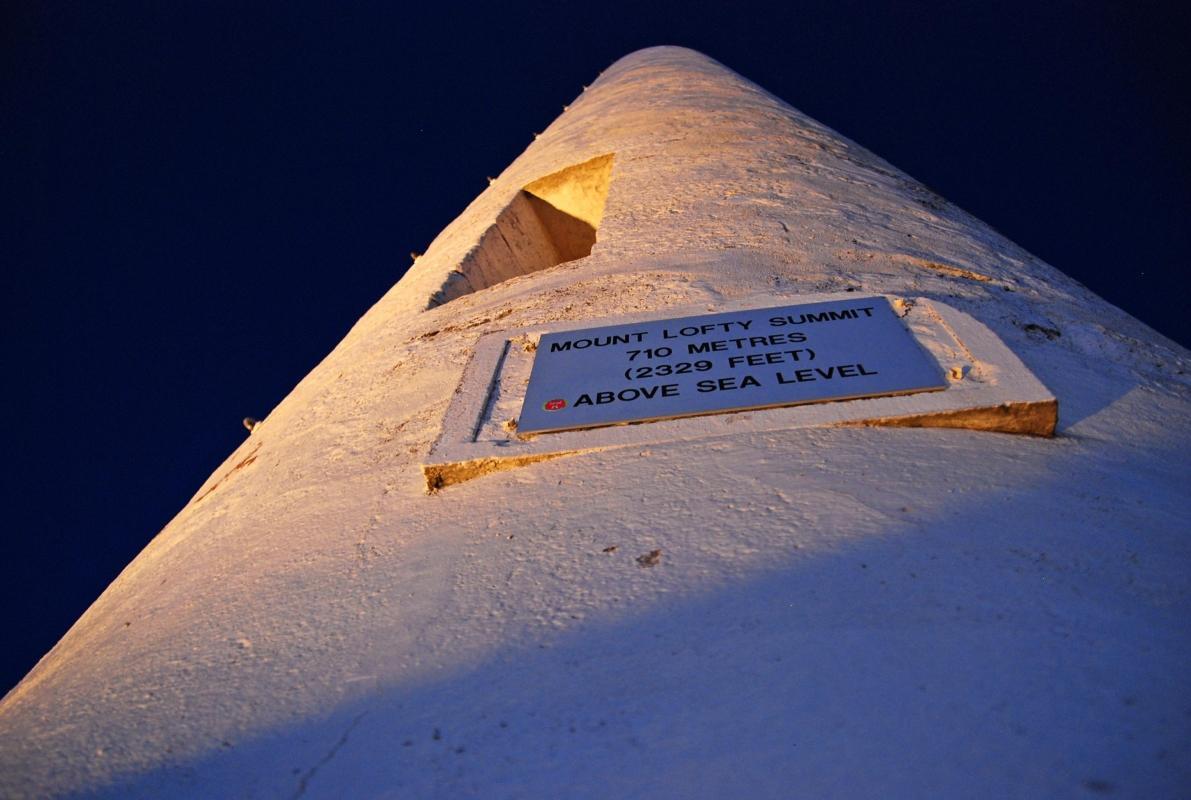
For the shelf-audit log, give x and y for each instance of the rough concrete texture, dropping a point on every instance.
(848, 612)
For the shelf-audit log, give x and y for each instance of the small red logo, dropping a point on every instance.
(555, 405)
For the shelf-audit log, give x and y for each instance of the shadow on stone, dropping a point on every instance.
(551, 221)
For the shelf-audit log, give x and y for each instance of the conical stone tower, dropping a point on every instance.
(387, 592)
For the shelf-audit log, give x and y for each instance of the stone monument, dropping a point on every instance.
(970, 581)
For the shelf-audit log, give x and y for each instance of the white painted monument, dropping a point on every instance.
(963, 571)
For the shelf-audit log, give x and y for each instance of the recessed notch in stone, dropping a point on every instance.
(550, 221)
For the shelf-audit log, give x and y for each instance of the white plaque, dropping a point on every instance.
(733, 361)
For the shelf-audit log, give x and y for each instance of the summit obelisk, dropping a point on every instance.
(387, 591)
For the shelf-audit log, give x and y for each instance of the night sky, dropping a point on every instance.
(200, 199)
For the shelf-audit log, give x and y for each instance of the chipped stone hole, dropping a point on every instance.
(552, 220)
(1034, 329)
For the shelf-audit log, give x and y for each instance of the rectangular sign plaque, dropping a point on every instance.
(732, 361)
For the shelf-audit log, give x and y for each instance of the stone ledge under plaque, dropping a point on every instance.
(989, 389)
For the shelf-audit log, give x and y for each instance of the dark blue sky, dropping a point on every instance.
(200, 199)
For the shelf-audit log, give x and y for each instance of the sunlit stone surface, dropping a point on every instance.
(843, 612)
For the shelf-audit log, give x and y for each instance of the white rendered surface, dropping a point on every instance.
(835, 612)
